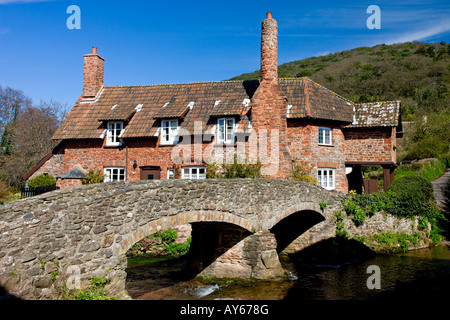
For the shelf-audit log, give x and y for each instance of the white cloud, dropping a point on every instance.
(422, 34)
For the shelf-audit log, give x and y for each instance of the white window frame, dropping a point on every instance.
(324, 135)
(169, 131)
(114, 130)
(326, 178)
(193, 173)
(113, 174)
(225, 130)
(170, 174)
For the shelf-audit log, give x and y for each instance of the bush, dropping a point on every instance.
(93, 176)
(301, 171)
(411, 196)
(42, 180)
(427, 147)
(96, 291)
(234, 170)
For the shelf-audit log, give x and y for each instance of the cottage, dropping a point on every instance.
(156, 131)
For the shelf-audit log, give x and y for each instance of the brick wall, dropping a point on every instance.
(53, 166)
(303, 142)
(370, 144)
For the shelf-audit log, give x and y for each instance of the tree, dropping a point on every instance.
(25, 133)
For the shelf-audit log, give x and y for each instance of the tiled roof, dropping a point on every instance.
(122, 112)
(143, 106)
(376, 114)
(307, 99)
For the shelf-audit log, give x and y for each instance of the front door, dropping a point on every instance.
(150, 173)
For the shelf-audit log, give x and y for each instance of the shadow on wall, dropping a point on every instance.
(291, 227)
(210, 240)
(332, 251)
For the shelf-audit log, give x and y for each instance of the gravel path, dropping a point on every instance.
(438, 184)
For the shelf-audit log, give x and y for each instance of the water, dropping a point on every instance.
(420, 273)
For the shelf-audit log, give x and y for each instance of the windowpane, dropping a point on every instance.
(225, 130)
(325, 136)
(221, 130)
(194, 173)
(114, 174)
(328, 137)
(325, 178)
(169, 131)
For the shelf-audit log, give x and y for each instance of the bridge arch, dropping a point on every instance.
(90, 228)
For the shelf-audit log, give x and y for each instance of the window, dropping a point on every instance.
(325, 136)
(114, 130)
(194, 173)
(325, 177)
(225, 130)
(169, 131)
(114, 174)
(170, 173)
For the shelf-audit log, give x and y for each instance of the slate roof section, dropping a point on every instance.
(305, 99)
(74, 173)
(376, 114)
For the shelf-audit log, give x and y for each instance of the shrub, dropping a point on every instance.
(301, 171)
(411, 196)
(237, 169)
(169, 235)
(93, 176)
(42, 181)
(96, 290)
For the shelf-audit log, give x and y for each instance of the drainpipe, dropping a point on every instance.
(126, 158)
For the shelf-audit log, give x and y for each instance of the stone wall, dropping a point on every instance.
(378, 223)
(87, 230)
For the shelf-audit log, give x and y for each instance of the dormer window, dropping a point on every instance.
(225, 130)
(325, 136)
(169, 131)
(114, 130)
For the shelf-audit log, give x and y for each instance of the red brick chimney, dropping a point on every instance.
(93, 74)
(269, 49)
(269, 104)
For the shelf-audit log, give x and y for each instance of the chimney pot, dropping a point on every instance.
(269, 15)
(94, 50)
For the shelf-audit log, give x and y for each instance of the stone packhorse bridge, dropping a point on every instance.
(238, 228)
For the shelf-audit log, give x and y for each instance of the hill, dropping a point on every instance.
(416, 73)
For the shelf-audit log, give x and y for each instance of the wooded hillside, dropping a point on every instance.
(416, 73)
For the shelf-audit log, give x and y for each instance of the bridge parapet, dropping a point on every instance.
(90, 228)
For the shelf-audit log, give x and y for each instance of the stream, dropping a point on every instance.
(417, 274)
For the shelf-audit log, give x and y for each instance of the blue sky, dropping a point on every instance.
(155, 42)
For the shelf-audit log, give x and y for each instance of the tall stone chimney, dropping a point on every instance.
(269, 50)
(93, 74)
(269, 105)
